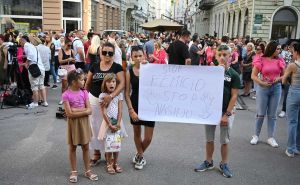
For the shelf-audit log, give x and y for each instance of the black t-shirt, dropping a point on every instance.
(195, 57)
(178, 52)
(231, 81)
(98, 76)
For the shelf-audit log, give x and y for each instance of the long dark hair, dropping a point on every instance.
(270, 49)
(296, 47)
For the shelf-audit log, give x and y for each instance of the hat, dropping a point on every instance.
(35, 40)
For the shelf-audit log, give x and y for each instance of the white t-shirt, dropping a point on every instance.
(118, 56)
(77, 43)
(33, 55)
(9, 57)
(57, 45)
(45, 54)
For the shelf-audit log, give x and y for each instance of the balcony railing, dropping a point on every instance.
(206, 4)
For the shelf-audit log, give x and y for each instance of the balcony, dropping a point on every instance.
(206, 4)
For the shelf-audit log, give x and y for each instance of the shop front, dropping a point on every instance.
(17, 14)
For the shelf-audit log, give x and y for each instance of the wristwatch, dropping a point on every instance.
(228, 114)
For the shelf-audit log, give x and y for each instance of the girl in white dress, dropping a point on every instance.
(112, 120)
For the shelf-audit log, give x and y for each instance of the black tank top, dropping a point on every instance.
(65, 56)
(94, 58)
(134, 81)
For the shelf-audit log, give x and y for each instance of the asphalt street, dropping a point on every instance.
(33, 151)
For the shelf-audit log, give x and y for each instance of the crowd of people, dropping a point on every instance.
(97, 72)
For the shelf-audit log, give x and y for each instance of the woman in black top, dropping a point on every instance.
(67, 61)
(132, 83)
(247, 69)
(93, 84)
(94, 50)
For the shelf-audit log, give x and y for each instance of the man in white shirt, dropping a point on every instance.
(37, 84)
(57, 45)
(79, 50)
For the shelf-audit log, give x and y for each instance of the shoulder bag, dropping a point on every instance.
(34, 69)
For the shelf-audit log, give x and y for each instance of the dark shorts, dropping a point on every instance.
(80, 65)
(145, 123)
(247, 76)
(47, 78)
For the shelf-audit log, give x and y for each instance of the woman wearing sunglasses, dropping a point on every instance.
(93, 84)
(271, 69)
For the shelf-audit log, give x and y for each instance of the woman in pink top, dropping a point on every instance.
(210, 53)
(271, 69)
(159, 55)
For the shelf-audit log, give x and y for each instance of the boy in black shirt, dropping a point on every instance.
(230, 94)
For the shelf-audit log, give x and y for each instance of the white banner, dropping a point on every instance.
(184, 94)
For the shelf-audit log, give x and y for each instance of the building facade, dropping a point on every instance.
(270, 19)
(57, 14)
(139, 12)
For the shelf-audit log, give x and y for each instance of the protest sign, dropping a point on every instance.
(183, 94)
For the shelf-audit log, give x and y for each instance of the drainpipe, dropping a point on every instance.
(252, 17)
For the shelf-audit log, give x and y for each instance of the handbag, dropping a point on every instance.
(34, 69)
(62, 72)
(113, 141)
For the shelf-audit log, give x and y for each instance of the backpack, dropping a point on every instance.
(17, 97)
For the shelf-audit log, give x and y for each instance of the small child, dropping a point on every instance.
(112, 120)
(77, 107)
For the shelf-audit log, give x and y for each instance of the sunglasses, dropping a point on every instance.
(108, 53)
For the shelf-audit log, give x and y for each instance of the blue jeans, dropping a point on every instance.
(267, 101)
(293, 118)
(53, 73)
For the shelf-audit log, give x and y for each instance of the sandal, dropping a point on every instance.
(118, 168)
(110, 169)
(73, 178)
(92, 177)
(95, 161)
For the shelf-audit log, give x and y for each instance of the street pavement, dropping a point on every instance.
(33, 151)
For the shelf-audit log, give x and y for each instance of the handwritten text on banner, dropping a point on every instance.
(184, 94)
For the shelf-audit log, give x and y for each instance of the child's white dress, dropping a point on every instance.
(112, 112)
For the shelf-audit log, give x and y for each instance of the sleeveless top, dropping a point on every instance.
(94, 58)
(296, 76)
(134, 81)
(65, 56)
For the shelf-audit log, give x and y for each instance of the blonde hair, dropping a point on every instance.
(252, 45)
(108, 78)
(95, 44)
(158, 44)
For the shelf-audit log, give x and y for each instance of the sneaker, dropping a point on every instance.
(254, 140)
(54, 86)
(135, 159)
(45, 104)
(226, 172)
(140, 163)
(281, 114)
(57, 81)
(13, 85)
(289, 154)
(60, 103)
(271, 141)
(205, 166)
(253, 97)
(32, 105)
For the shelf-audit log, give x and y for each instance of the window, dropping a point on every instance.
(21, 7)
(72, 9)
(27, 25)
(94, 13)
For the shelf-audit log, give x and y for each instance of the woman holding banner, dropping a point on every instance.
(132, 84)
